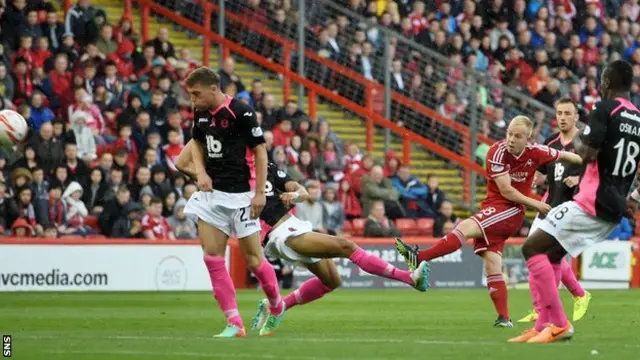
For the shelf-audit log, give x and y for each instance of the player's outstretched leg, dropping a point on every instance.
(263, 271)
(327, 279)
(214, 243)
(326, 246)
(540, 250)
(581, 297)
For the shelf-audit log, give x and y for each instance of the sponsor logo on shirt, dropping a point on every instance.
(519, 177)
(247, 114)
(256, 131)
(203, 120)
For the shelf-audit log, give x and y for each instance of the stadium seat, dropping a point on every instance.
(407, 227)
(358, 227)
(92, 222)
(425, 227)
(347, 227)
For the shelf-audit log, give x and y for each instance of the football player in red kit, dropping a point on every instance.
(511, 165)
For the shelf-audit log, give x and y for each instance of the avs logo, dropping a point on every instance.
(256, 131)
(497, 168)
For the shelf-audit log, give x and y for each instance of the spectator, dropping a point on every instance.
(20, 206)
(53, 30)
(283, 133)
(130, 113)
(349, 200)
(142, 179)
(14, 17)
(228, 75)
(444, 216)
(154, 226)
(550, 93)
(76, 210)
(413, 193)
(95, 191)
(39, 186)
(85, 141)
(257, 93)
(50, 231)
(280, 159)
(77, 170)
(158, 109)
(269, 112)
(173, 149)
(7, 86)
(61, 175)
(169, 199)
(312, 209)
(21, 228)
(29, 159)
(53, 211)
(623, 231)
(331, 162)
(159, 183)
(39, 113)
(105, 43)
(162, 46)
(378, 225)
(333, 211)
(142, 90)
(123, 163)
(113, 209)
(24, 85)
(142, 129)
(392, 164)
(291, 111)
(129, 225)
(183, 227)
(307, 166)
(50, 151)
(4, 208)
(31, 27)
(502, 30)
(436, 196)
(80, 21)
(61, 79)
(375, 187)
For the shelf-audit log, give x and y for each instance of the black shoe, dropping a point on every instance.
(503, 322)
(409, 254)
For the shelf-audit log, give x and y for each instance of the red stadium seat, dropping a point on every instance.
(358, 227)
(347, 227)
(72, 237)
(407, 227)
(92, 222)
(425, 227)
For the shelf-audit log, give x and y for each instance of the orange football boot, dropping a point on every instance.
(525, 336)
(553, 333)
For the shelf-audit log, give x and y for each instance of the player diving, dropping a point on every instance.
(292, 240)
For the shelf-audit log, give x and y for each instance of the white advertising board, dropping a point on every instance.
(103, 268)
(607, 261)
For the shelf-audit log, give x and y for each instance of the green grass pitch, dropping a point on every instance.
(346, 325)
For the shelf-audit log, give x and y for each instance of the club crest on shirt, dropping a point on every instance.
(587, 130)
(256, 131)
(497, 168)
(281, 173)
(529, 163)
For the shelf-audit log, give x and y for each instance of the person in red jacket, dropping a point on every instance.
(124, 141)
(283, 133)
(349, 200)
(356, 176)
(392, 164)
(61, 78)
(21, 228)
(173, 149)
(42, 53)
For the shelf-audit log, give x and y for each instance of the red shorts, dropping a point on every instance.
(498, 223)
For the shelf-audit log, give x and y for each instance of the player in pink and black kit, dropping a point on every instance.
(610, 147)
(562, 180)
(511, 165)
(230, 161)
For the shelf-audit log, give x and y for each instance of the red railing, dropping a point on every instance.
(314, 90)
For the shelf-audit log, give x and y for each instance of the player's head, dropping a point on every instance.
(566, 114)
(203, 86)
(518, 134)
(617, 78)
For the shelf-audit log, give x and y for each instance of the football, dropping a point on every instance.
(13, 129)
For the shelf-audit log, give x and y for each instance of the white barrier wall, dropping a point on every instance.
(607, 265)
(103, 268)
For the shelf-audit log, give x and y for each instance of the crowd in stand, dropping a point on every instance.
(110, 114)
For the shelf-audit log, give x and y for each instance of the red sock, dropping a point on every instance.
(450, 243)
(498, 292)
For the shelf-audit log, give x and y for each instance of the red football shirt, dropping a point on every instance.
(160, 227)
(520, 168)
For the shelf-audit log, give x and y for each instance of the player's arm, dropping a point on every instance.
(570, 158)
(591, 138)
(295, 193)
(197, 155)
(255, 139)
(184, 163)
(510, 193)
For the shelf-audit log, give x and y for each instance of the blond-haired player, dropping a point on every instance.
(511, 165)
